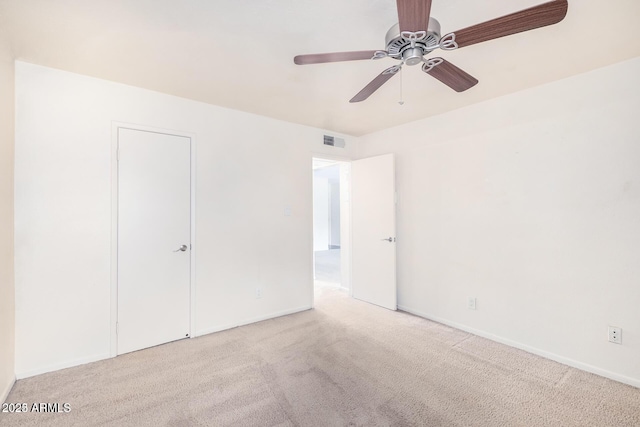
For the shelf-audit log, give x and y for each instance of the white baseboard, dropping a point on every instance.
(64, 365)
(548, 355)
(252, 320)
(7, 390)
(215, 329)
(274, 315)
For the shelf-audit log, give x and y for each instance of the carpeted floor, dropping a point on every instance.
(344, 363)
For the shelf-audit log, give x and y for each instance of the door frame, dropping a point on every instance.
(115, 125)
(345, 218)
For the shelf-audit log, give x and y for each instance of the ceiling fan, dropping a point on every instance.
(417, 34)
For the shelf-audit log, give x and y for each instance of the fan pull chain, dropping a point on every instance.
(401, 102)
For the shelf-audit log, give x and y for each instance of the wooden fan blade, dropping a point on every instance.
(373, 86)
(452, 76)
(535, 17)
(413, 15)
(319, 58)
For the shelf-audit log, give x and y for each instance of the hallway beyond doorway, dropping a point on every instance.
(328, 267)
(331, 223)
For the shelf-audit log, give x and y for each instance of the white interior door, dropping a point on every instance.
(373, 216)
(154, 230)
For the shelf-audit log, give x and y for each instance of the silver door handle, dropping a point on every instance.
(181, 248)
(390, 239)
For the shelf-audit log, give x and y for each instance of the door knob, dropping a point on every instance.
(390, 239)
(181, 248)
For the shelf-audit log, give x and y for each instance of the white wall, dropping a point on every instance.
(345, 226)
(320, 212)
(249, 168)
(7, 299)
(531, 204)
(334, 209)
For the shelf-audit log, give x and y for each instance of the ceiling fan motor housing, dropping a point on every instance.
(412, 56)
(398, 45)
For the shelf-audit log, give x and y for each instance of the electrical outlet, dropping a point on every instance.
(258, 292)
(615, 334)
(471, 303)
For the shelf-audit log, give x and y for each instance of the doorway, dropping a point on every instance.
(331, 221)
(363, 260)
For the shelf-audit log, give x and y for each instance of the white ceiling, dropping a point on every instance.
(323, 163)
(331, 173)
(239, 53)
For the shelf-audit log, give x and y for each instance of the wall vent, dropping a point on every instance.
(333, 141)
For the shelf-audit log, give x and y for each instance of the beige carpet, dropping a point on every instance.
(344, 363)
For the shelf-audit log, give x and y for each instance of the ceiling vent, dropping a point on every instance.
(333, 141)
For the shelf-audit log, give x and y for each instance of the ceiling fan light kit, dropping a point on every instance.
(417, 34)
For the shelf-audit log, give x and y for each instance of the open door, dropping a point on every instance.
(373, 213)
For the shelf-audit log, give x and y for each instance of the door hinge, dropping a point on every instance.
(118, 155)
(117, 328)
